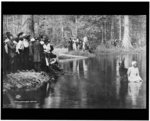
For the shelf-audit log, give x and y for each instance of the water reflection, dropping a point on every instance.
(133, 91)
(99, 82)
(102, 82)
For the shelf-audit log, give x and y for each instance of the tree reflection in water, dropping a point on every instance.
(128, 90)
(133, 91)
(99, 82)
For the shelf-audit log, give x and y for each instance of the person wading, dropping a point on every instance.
(133, 73)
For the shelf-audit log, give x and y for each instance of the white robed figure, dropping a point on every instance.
(133, 73)
(85, 40)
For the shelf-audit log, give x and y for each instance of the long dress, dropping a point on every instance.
(74, 45)
(134, 75)
(47, 49)
(5, 58)
(84, 43)
(70, 45)
(36, 51)
(26, 53)
(11, 54)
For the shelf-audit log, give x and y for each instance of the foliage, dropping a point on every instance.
(100, 29)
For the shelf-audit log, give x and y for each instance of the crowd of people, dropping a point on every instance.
(25, 52)
(78, 44)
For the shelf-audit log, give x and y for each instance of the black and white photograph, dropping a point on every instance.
(75, 61)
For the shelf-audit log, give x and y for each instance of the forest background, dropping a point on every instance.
(128, 30)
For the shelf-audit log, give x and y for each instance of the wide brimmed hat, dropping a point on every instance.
(133, 63)
(20, 34)
(8, 34)
(32, 39)
(23, 35)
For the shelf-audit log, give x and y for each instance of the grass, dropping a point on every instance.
(103, 50)
(77, 53)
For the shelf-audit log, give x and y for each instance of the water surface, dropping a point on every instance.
(90, 83)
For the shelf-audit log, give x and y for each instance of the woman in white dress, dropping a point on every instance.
(74, 44)
(47, 48)
(133, 73)
(84, 43)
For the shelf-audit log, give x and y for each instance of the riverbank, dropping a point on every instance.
(99, 50)
(63, 52)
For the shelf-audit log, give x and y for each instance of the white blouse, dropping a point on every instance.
(20, 46)
(47, 48)
(25, 43)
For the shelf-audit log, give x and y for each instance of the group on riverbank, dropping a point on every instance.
(78, 44)
(27, 52)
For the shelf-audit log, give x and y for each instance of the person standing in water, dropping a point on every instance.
(133, 73)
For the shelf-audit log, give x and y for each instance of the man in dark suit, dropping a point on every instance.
(11, 52)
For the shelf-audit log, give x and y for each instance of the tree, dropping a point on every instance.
(111, 28)
(96, 27)
(120, 38)
(126, 38)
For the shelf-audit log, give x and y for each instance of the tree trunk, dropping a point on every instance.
(7, 22)
(105, 31)
(62, 29)
(111, 29)
(32, 24)
(126, 38)
(120, 28)
(76, 26)
(13, 27)
(28, 24)
(102, 34)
